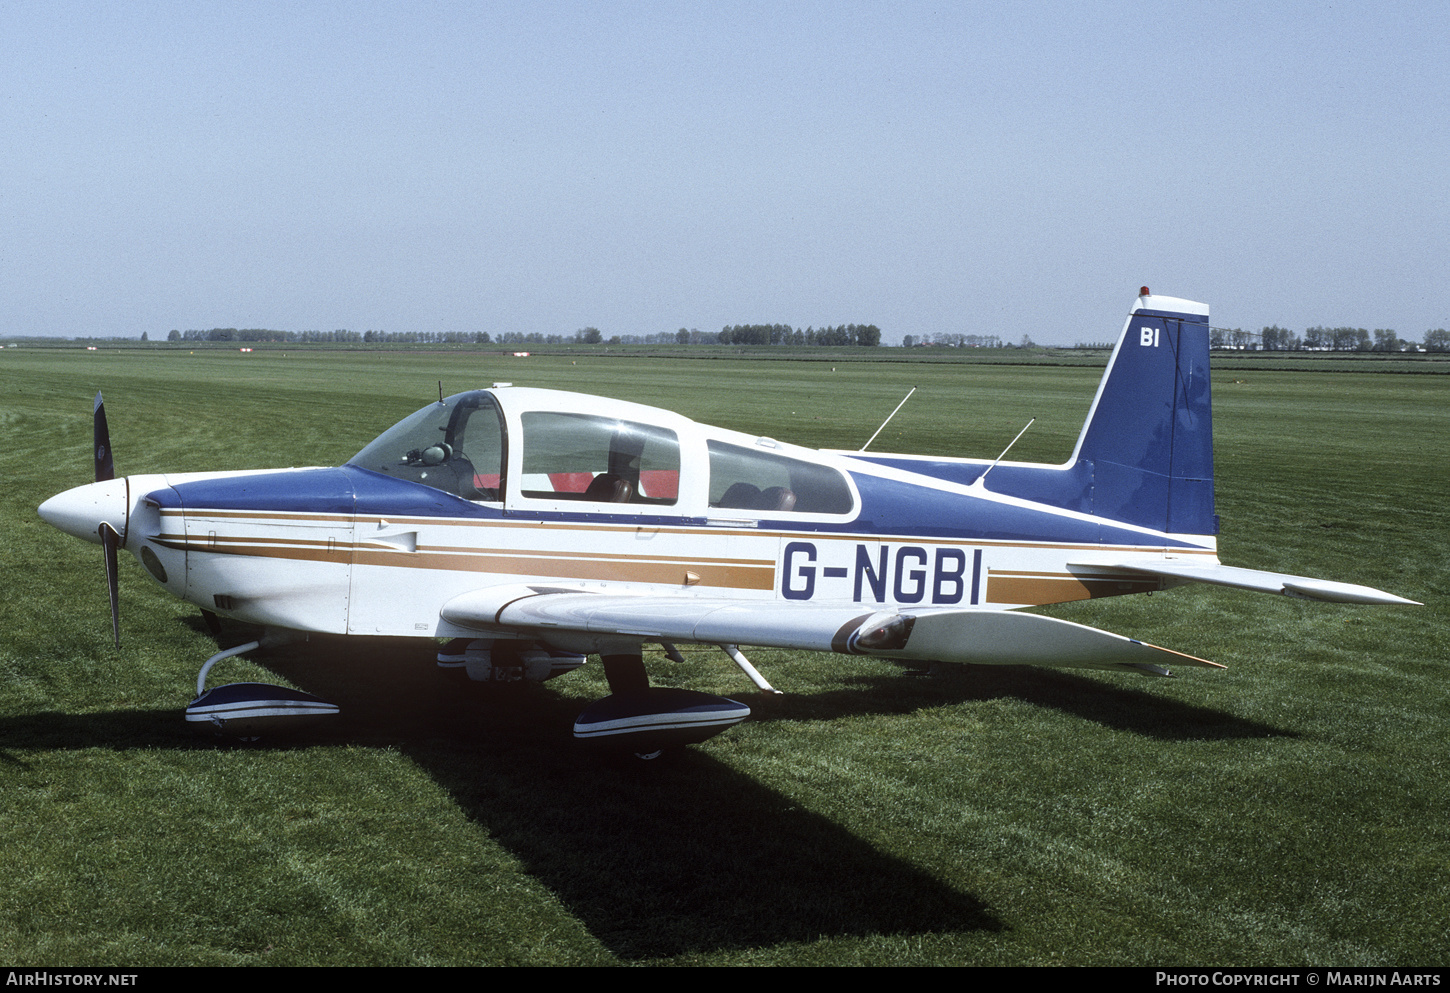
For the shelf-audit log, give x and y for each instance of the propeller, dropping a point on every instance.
(110, 540)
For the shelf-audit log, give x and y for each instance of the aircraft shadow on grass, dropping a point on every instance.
(688, 856)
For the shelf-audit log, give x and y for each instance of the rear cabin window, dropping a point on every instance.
(599, 460)
(749, 479)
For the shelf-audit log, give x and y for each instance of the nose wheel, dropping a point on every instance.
(249, 711)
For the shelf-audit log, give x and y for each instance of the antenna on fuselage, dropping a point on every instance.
(888, 420)
(440, 391)
(981, 480)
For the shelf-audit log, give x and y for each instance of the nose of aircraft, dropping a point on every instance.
(80, 511)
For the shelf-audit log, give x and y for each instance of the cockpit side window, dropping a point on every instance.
(747, 479)
(598, 459)
(456, 446)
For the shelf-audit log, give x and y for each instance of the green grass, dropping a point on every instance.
(1288, 810)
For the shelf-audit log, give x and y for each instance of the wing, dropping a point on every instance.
(605, 621)
(1253, 579)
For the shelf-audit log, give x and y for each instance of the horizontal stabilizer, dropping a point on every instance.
(1254, 579)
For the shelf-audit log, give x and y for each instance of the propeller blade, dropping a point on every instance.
(110, 540)
(105, 467)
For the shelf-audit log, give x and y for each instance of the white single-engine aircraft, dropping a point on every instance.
(534, 526)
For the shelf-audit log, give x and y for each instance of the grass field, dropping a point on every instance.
(1288, 810)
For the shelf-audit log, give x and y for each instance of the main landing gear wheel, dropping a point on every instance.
(650, 721)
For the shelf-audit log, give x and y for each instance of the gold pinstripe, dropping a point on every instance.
(1012, 586)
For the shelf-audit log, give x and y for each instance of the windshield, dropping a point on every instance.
(455, 446)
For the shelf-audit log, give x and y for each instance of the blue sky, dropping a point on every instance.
(981, 168)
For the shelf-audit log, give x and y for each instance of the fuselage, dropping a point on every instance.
(517, 485)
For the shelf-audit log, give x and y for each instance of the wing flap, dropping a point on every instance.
(1004, 637)
(1253, 579)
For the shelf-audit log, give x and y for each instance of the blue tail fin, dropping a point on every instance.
(1148, 440)
(1145, 455)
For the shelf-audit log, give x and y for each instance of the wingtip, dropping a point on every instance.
(1321, 589)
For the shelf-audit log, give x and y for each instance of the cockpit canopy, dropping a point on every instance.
(574, 450)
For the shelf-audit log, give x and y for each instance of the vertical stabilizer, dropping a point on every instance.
(1148, 440)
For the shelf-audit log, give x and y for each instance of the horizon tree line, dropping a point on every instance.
(1341, 339)
(1272, 338)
